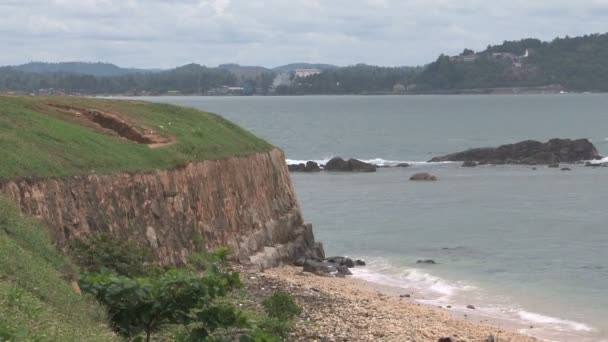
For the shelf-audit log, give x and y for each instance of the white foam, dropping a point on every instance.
(380, 272)
(598, 161)
(374, 161)
(557, 323)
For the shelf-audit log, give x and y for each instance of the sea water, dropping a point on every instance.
(527, 247)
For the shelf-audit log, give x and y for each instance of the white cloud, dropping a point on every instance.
(158, 33)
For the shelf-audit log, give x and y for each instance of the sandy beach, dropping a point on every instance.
(347, 309)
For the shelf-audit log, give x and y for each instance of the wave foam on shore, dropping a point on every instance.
(435, 291)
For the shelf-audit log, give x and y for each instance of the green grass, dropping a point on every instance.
(36, 140)
(36, 300)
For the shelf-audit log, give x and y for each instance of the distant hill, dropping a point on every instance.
(570, 63)
(82, 68)
(242, 72)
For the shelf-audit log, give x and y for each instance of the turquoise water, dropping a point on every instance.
(526, 246)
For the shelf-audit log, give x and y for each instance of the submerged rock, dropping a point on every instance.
(403, 165)
(470, 307)
(428, 261)
(528, 152)
(423, 176)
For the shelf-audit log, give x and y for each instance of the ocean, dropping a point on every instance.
(528, 248)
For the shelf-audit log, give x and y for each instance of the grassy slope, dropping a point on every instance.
(35, 142)
(36, 301)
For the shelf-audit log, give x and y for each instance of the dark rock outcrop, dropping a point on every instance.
(528, 152)
(403, 165)
(469, 163)
(341, 261)
(325, 268)
(428, 261)
(310, 166)
(359, 263)
(447, 339)
(423, 176)
(351, 165)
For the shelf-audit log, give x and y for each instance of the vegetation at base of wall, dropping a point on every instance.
(190, 303)
(37, 302)
(106, 253)
(39, 140)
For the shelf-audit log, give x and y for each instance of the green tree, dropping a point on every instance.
(144, 305)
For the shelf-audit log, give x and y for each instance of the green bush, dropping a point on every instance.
(112, 253)
(178, 297)
(275, 327)
(281, 305)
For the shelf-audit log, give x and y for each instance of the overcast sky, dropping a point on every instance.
(157, 33)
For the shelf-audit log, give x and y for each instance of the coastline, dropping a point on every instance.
(351, 309)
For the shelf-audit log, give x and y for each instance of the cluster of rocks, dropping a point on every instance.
(329, 267)
(529, 152)
(310, 166)
(335, 164)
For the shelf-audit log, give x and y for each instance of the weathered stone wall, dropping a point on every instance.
(245, 203)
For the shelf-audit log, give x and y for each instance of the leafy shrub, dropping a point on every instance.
(111, 253)
(145, 304)
(205, 261)
(281, 305)
(275, 327)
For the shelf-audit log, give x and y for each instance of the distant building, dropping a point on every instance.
(464, 59)
(301, 73)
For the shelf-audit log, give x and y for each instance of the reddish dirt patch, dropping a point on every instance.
(117, 125)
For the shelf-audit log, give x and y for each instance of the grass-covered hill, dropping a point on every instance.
(50, 136)
(37, 302)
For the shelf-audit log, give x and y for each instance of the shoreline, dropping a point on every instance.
(358, 310)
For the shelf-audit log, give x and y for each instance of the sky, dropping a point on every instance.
(165, 34)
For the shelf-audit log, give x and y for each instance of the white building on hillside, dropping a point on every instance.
(301, 73)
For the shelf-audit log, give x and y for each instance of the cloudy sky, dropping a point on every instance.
(164, 33)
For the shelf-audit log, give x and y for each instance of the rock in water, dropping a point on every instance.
(403, 165)
(529, 152)
(337, 164)
(469, 163)
(310, 166)
(296, 167)
(359, 166)
(359, 263)
(428, 261)
(554, 165)
(423, 176)
(351, 165)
